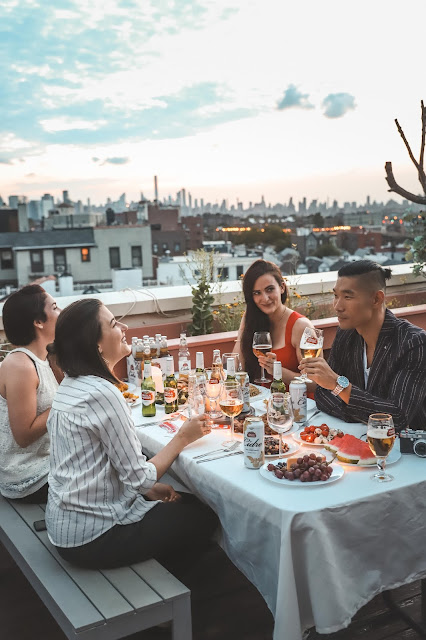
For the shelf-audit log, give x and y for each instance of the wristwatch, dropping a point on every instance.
(342, 383)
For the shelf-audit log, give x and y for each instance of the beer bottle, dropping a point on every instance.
(164, 349)
(230, 369)
(152, 348)
(217, 366)
(158, 343)
(148, 391)
(184, 358)
(199, 367)
(278, 384)
(170, 387)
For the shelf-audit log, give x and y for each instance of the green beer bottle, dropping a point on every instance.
(148, 391)
(278, 384)
(170, 387)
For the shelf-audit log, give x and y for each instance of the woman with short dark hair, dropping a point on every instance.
(105, 506)
(265, 293)
(27, 388)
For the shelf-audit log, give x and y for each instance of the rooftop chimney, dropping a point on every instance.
(155, 189)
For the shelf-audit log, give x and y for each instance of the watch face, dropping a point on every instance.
(342, 381)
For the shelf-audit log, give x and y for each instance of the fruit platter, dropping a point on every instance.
(310, 469)
(355, 452)
(317, 436)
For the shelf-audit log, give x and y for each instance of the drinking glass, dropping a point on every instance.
(262, 343)
(311, 344)
(280, 415)
(381, 438)
(236, 357)
(231, 403)
(211, 388)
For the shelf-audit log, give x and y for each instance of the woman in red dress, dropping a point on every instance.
(265, 293)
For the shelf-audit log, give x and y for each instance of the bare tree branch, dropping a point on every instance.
(394, 187)
(422, 146)
(410, 153)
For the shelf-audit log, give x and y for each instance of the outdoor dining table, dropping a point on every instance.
(317, 552)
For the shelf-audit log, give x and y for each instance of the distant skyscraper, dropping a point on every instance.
(13, 202)
(47, 204)
(65, 197)
(34, 210)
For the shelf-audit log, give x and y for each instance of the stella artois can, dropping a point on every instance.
(244, 381)
(299, 400)
(254, 442)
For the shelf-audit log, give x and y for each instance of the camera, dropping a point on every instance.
(413, 441)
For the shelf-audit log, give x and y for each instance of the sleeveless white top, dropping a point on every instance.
(24, 470)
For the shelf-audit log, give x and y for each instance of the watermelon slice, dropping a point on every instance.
(352, 450)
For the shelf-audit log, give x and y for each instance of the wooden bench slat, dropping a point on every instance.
(93, 584)
(132, 587)
(47, 577)
(160, 579)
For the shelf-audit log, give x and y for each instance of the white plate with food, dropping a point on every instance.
(319, 440)
(336, 473)
(272, 447)
(258, 393)
(132, 399)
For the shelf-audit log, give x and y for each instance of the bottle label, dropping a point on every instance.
(170, 395)
(148, 397)
(184, 365)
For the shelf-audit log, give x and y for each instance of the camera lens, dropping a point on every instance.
(420, 448)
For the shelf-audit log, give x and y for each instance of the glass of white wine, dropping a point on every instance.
(262, 343)
(231, 403)
(311, 344)
(381, 438)
(280, 415)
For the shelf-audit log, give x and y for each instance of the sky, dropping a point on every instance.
(230, 99)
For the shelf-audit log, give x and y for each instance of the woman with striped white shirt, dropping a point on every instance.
(105, 506)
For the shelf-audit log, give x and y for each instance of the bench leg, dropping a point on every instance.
(182, 622)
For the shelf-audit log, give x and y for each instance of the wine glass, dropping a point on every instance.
(381, 438)
(236, 357)
(280, 415)
(262, 343)
(211, 388)
(231, 403)
(311, 344)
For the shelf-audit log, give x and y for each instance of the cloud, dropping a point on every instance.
(294, 98)
(5, 160)
(95, 159)
(116, 160)
(75, 74)
(335, 105)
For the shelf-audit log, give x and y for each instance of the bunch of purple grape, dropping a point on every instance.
(310, 468)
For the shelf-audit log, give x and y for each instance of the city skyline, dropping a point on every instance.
(235, 99)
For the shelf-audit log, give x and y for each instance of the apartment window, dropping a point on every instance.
(240, 270)
(37, 263)
(114, 257)
(155, 248)
(177, 246)
(85, 254)
(136, 256)
(6, 259)
(59, 260)
(224, 273)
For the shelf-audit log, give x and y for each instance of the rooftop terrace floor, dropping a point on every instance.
(225, 606)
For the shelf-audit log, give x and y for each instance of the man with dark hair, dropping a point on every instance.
(377, 363)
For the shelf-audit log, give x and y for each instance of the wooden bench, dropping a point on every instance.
(91, 604)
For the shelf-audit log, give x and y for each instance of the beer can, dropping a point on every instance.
(244, 381)
(254, 442)
(299, 400)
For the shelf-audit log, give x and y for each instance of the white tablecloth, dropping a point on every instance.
(317, 553)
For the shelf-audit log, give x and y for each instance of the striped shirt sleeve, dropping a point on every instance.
(109, 417)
